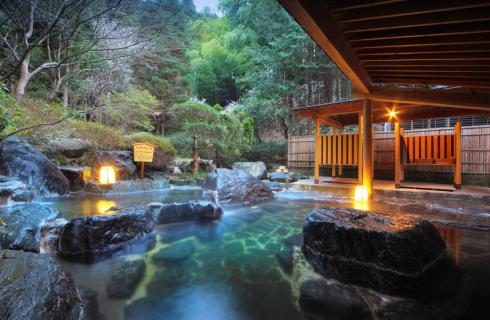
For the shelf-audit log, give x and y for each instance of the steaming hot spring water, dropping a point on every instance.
(232, 270)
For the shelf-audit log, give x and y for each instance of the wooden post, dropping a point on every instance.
(341, 150)
(318, 151)
(334, 151)
(142, 170)
(360, 162)
(397, 155)
(403, 149)
(367, 148)
(457, 155)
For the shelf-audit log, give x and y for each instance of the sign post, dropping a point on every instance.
(143, 152)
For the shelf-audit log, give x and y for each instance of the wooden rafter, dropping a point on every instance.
(465, 99)
(393, 10)
(331, 122)
(423, 20)
(313, 16)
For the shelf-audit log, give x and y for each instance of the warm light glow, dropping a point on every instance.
(107, 175)
(361, 198)
(392, 113)
(361, 194)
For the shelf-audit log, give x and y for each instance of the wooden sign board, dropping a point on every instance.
(143, 152)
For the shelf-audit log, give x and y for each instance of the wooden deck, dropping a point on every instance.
(328, 184)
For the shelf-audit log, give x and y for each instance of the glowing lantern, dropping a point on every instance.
(107, 175)
(361, 194)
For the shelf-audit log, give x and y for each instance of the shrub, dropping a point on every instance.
(99, 136)
(164, 150)
(268, 152)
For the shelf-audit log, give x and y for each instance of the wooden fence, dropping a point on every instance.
(475, 150)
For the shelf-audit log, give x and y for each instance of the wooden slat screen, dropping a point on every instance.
(429, 149)
(340, 149)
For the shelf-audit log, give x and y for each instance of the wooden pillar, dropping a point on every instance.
(397, 156)
(341, 151)
(318, 150)
(359, 161)
(334, 151)
(457, 155)
(367, 148)
(403, 157)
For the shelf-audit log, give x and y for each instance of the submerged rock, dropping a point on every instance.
(176, 212)
(320, 297)
(388, 253)
(285, 257)
(90, 304)
(19, 159)
(238, 187)
(256, 169)
(176, 252)
(34, 286)
(90, 238)
(22, 229)
(125, 279)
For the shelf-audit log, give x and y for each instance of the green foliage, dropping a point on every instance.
(220, 136)
(190, 176)
(99, 136)
(9, 112)
(164, 150)
(131, 110)
(268, 152)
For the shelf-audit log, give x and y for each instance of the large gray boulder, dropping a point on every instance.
(237, 187)
(77, 175)
(256, 169)
(176, 212)
(186, 165)
(122, 161)
(93, 238)
(35, 287)
(19, 159)
(67, 148)
(22, 229)
(389, 253)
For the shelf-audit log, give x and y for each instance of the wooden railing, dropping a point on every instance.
(475, 150)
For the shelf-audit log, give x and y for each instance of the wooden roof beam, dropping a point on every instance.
(421, 32)
(464, 99)
(331, 122)
(409, 8)
(313, 16)
(423, 20)
(470, 83)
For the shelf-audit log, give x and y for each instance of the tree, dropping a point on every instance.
(199, 121)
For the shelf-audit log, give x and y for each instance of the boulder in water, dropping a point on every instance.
(90, 304)
(125, 279)
(256, 169)
(388, 253)
(175, 252)
(91, 238)
(34, 286)
(285, 257)
(22, 229)
(122, 161)
(126, 186)
(283, 177)
(176, 212)
(236, 187)
(14, 190)
(321, 297)
(19, 159)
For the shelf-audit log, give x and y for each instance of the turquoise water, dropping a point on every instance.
(233, 272)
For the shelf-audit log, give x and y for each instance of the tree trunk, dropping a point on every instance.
(195, 156)
(23, 79)
(66, 95)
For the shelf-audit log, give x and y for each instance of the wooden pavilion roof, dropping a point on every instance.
(429, 54)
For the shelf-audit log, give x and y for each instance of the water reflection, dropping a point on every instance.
(98, 206)
(452, 238)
